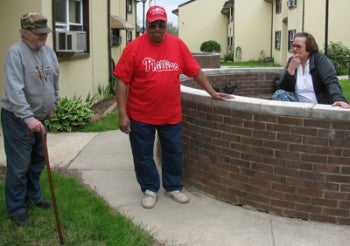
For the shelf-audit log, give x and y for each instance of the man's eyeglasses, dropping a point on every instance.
(40, 34)
(297, 46)
(157, 25)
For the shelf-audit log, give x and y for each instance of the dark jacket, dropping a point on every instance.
(324, 78)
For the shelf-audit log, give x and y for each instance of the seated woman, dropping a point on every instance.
(309, 76)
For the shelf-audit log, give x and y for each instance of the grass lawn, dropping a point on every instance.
(85, 219)
(249, 64)
(107, 123)
(345, 84)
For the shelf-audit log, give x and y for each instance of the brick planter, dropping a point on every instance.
(290, 159)
(207, 59)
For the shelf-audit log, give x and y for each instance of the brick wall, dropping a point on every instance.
(290, 159)
(207, 60)
(247, 82)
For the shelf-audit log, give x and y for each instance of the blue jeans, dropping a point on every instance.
(142, 137)
(25, 162)
(282, 95)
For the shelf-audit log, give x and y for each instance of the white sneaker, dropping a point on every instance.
(178, 196)
(149, 200)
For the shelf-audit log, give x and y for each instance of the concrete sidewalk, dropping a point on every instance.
(104, 162)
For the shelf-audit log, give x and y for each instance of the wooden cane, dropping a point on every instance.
(53, 197)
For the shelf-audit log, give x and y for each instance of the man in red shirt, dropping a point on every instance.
(149, 100)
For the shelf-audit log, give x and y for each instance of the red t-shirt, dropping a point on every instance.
(153, 75)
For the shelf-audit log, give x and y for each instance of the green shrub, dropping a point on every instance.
(105, 92)
(70, 114)
(264, 58)
(210, 46)
(228, 57)
(340, 55)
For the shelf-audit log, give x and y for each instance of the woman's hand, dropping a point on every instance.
(341, 104)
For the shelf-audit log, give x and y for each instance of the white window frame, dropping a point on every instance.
(278, 6)
(278, 40)
(292, 4)
(129, 6)
(291, 36)
(67, 24)
(128, 36)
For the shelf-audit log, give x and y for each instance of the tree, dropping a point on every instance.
(172, 29)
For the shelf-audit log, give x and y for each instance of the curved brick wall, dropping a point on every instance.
(290, 159)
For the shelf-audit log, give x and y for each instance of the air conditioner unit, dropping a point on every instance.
(291, 3)
(71, 41)
(120, 40)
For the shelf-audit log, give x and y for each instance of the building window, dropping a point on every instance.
(68, 15)
(278, 40)
(230, 44)
(116, 39)
(128, 36)
(291, 35)
(292, 4)
(71, 22)
(129, 6)
(278, 6)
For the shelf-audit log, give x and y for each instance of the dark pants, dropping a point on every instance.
(142, 137)
(25, 162)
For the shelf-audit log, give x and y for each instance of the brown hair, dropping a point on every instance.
(311, 45)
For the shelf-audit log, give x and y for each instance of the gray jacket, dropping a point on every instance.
(31, 85)
(324, 78)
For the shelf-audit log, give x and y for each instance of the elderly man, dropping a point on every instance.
(31, 92)
(149, 100)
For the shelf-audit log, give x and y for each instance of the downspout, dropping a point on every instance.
(136, 2)
(232, 25)
(326, 31)
(109, 58)
(303, 17)
(126, 18)
(271, 38)
(126, 10)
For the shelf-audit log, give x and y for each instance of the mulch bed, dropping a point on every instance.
(103, 107)
(2, 172)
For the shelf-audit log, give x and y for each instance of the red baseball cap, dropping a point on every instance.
(156, 12)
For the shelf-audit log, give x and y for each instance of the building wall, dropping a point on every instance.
(116, 7)
(10, 13)
(314, 20)
(314, 23)
(78, 77)
(252, 25)
(202, 20)
(338, 21)
(252, 28)
(284, 21)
